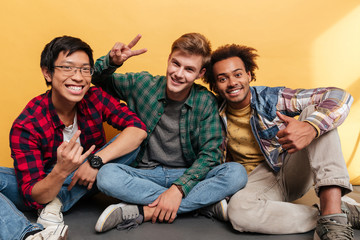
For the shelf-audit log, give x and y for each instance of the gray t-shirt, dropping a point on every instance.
(164, 147)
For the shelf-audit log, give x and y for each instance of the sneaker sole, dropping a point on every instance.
(224, 206)
(105, 214)
(316, 236)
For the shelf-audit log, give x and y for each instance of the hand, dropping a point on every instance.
(85, 175)
(69, 155)
(121, 52)
(297, 134)
(167, 205)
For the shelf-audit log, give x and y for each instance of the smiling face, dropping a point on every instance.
(233, 82)
(182, 70)
(68, 90)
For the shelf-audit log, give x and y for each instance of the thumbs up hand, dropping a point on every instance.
(297, 134)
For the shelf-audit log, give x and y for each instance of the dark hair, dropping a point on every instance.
(65, 44)
(194, 43)
(246, 54)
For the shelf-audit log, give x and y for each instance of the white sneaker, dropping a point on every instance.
(51, 214)
(58, 232)
(217, 210)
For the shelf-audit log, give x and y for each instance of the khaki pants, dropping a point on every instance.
(263, 206)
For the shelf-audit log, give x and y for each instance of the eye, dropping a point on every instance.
(85, 69)
(221, 79)
(175, 63)
(67, 68)
(190, 70)
(238, 75)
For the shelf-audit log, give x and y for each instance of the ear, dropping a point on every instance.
(250, 77)
(202, 72)
(47, 74)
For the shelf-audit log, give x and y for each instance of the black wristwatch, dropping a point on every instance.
(95, 161)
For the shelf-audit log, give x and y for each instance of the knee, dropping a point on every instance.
(236, 175)
(241, 212)
(104, 180)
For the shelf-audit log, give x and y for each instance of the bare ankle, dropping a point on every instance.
(148, 212)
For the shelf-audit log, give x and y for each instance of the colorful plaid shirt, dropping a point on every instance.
(200, 125)
(332, 107)
(38, 132)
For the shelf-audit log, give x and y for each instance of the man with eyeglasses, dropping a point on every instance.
(53, 140)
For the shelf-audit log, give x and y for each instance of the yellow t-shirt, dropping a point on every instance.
(242, 145)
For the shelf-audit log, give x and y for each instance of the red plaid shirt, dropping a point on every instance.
(38, 132)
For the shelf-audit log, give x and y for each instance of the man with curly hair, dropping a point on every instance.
(284, 156)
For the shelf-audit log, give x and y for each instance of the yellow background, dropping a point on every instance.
(301, 43)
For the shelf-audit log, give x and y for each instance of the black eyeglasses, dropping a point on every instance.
(71, 70)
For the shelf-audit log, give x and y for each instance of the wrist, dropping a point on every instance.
(95, 161)
(179, 187)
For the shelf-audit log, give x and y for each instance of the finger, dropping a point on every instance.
(72, 141)
(87, 153)
(281, 134)
(292, 150)
(62, 146)
(155, 215)
(284, 118)
(282, 137)
(162, 215)
(73, 182)
(173, 216)
(90, 185)
(134, 41)
(154, 203)
(77, 155)
(167, 216)
(138, 52)
(73, 152)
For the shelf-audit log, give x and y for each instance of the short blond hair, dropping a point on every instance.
(194, 44)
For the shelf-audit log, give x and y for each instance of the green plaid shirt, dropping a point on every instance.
(200, 127)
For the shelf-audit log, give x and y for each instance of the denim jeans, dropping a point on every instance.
(143, 186)
(14, 224)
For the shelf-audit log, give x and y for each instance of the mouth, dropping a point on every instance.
(176, 81)
(233, 91)
(75, 89)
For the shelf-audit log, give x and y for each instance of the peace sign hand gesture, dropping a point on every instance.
(121, 52)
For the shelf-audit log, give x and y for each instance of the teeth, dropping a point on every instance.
(235, 91)
(74, 88)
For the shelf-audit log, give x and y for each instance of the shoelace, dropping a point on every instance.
(334, 229)
(55, 210)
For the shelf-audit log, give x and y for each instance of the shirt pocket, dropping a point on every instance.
(269, 133)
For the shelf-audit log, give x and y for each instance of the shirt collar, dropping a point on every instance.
(53, 114)
(57, 123)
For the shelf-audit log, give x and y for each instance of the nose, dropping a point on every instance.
(77, 75)
(180, 72)
(232, 82)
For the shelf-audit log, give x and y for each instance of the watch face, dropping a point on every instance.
(96, 162)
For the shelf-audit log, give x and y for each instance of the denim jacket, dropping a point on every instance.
(332, 107)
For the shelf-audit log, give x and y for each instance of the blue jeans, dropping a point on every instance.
(143, 186)
(14, 224)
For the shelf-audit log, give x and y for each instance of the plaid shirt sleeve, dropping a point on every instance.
(28, 163)
(332, 105)
(117, 114)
